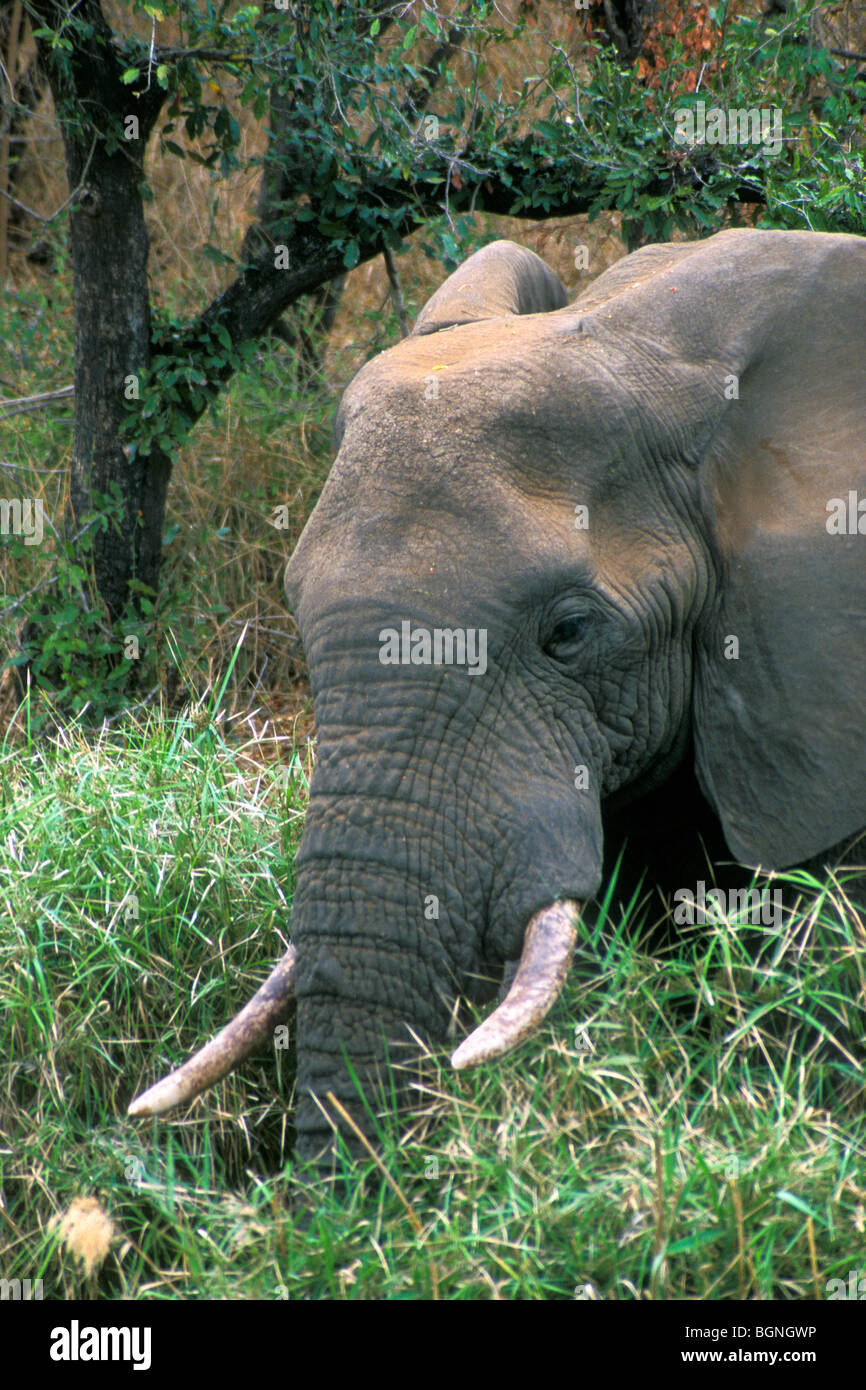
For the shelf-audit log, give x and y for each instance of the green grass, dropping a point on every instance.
(709, 1142)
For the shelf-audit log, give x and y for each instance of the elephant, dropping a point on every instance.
(566, 554)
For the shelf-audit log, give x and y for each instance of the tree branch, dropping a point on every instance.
(260, 293)
(65, 204)
(21, 405)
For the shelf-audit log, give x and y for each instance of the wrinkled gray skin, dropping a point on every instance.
(463, 453)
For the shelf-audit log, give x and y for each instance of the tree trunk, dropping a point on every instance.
(20, 94)
(105, 129)
(109, 244)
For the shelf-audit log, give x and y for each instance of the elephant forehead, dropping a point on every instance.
(495, 386)
(440, 540)
(468, 345)
(487, 548)
(512, 445)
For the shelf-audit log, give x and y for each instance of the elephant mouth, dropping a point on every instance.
(548, 945)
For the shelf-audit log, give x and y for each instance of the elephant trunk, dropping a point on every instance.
(374, 974)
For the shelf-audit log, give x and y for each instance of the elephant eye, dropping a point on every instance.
(565, 635)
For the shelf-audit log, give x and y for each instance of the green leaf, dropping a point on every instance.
(129, 75)
(213, 253)
(351, 255)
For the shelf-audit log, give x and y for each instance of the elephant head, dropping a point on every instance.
(561, 547)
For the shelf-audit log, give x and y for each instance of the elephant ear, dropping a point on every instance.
(781, 659)
(502, 278)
